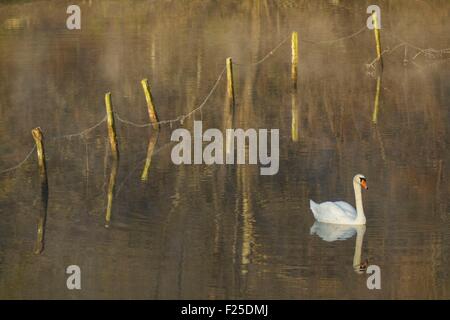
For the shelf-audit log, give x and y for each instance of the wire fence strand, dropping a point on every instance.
(335, 40)
(428, 53)
(20, 163)
(269, 54)
(82, 133)
(180, 118)
(386, 51)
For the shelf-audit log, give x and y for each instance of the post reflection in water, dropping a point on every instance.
(43, 179)
(228, 123)
(295, 116)
(148, 160)
(246, 214)
(42, 219)
(111, 190)
(376, 103)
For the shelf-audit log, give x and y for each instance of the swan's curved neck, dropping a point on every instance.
(359, 206)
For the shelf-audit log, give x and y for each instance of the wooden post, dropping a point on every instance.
(38, 139)
(150, 106)
(376, 30)
(294, 68)
(230, 85)
(111, 126)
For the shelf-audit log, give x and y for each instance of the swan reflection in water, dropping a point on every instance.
(333, 232)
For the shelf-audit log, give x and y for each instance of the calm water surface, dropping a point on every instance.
(217, 232)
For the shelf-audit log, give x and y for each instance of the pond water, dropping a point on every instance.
(225, 231)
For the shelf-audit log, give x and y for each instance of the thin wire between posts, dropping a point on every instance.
(86, 131)
(20, 163)
(428, 52)
(272, 52)
(180, 118)
(386, 51)
(82, 133)
(67, 136)
(269, 54)
(335, 40)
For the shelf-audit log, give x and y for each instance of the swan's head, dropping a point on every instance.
(361, 179)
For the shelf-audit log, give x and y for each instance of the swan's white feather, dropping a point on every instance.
(346, 207)
(338, 212)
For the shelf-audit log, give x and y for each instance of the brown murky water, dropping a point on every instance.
(225, 231)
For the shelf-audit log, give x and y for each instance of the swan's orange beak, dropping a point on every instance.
(364, 184)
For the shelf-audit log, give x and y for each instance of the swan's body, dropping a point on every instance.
(340, 212)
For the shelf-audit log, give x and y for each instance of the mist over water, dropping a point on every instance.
(224, 231)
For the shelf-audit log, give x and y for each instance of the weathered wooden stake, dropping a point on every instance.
(150, 106)
(376, 30)
(294, 67)
(230, 85)
(111, 126)
(38, 139)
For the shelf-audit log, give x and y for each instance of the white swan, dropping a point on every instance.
(341, 212)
